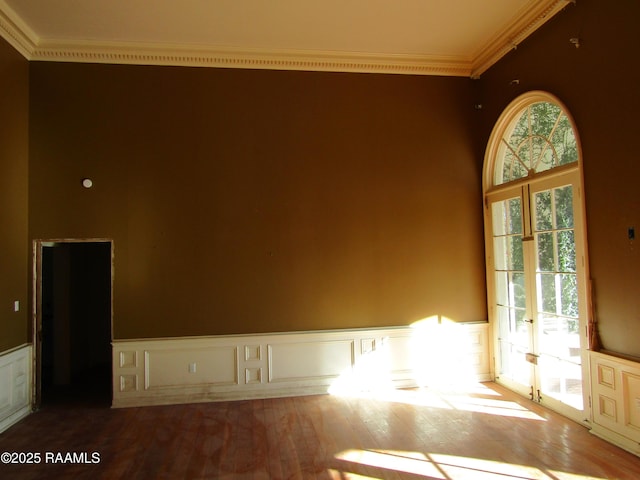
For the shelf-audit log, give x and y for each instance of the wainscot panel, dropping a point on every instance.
(615, 384)
(15, 385)
(235, 367)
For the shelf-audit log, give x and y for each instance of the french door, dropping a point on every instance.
(538, 292)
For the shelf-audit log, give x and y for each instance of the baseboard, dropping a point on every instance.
(15, 385)
(237, 367)
(615, 438)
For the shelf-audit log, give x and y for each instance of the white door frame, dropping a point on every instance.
(494, 150)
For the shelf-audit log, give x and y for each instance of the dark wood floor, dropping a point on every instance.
(488, 433)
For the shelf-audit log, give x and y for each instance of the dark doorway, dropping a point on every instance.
(75, 322)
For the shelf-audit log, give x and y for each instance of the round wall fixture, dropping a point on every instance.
(87, 183)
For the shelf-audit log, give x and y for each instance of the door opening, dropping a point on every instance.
(73, 321)
(537, 266)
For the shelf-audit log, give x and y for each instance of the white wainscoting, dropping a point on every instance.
(15, 385)
(233, 367)
(615, 383)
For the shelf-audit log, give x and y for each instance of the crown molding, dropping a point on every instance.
(143, 54)
(17, 33)
(517, 32)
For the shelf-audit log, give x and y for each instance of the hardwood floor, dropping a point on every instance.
(485, 433)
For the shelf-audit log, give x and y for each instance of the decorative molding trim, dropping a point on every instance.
(15, 385)
(16, 32)
(615, 385)
(509, 39)
(27, 42)
(237, 367)
(174, 55)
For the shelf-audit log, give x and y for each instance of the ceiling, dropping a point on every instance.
(424, 37)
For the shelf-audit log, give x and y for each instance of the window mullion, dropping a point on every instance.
(529, 257)
(527, 232)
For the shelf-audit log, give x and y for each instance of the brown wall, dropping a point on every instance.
(14, 256)
(599, 84)
(253, 201)
(250, 201)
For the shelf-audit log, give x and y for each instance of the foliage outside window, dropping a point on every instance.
(541, 138)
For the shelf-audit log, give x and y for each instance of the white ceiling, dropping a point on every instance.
(441, 37)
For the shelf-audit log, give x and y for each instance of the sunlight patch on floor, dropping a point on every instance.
(490, 406)
(407, 462)
(457, 399)
(338, 475)
(441, 467)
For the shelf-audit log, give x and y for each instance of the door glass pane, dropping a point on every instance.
(513, 363)
(546, 255)
(543, 211)
(515, 216)
(569, 295)
(500, 253)
(513, 328)
(562, 380)
(559, 337)
(547, 301)
(519, 294)
(515, 254)
(564, 206)
(566, 251)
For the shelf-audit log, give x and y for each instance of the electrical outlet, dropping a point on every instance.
(16, 306)
(192, 368)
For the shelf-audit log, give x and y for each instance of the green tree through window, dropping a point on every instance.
(541, 138)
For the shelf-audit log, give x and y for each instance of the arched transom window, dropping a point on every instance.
(538, 138)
